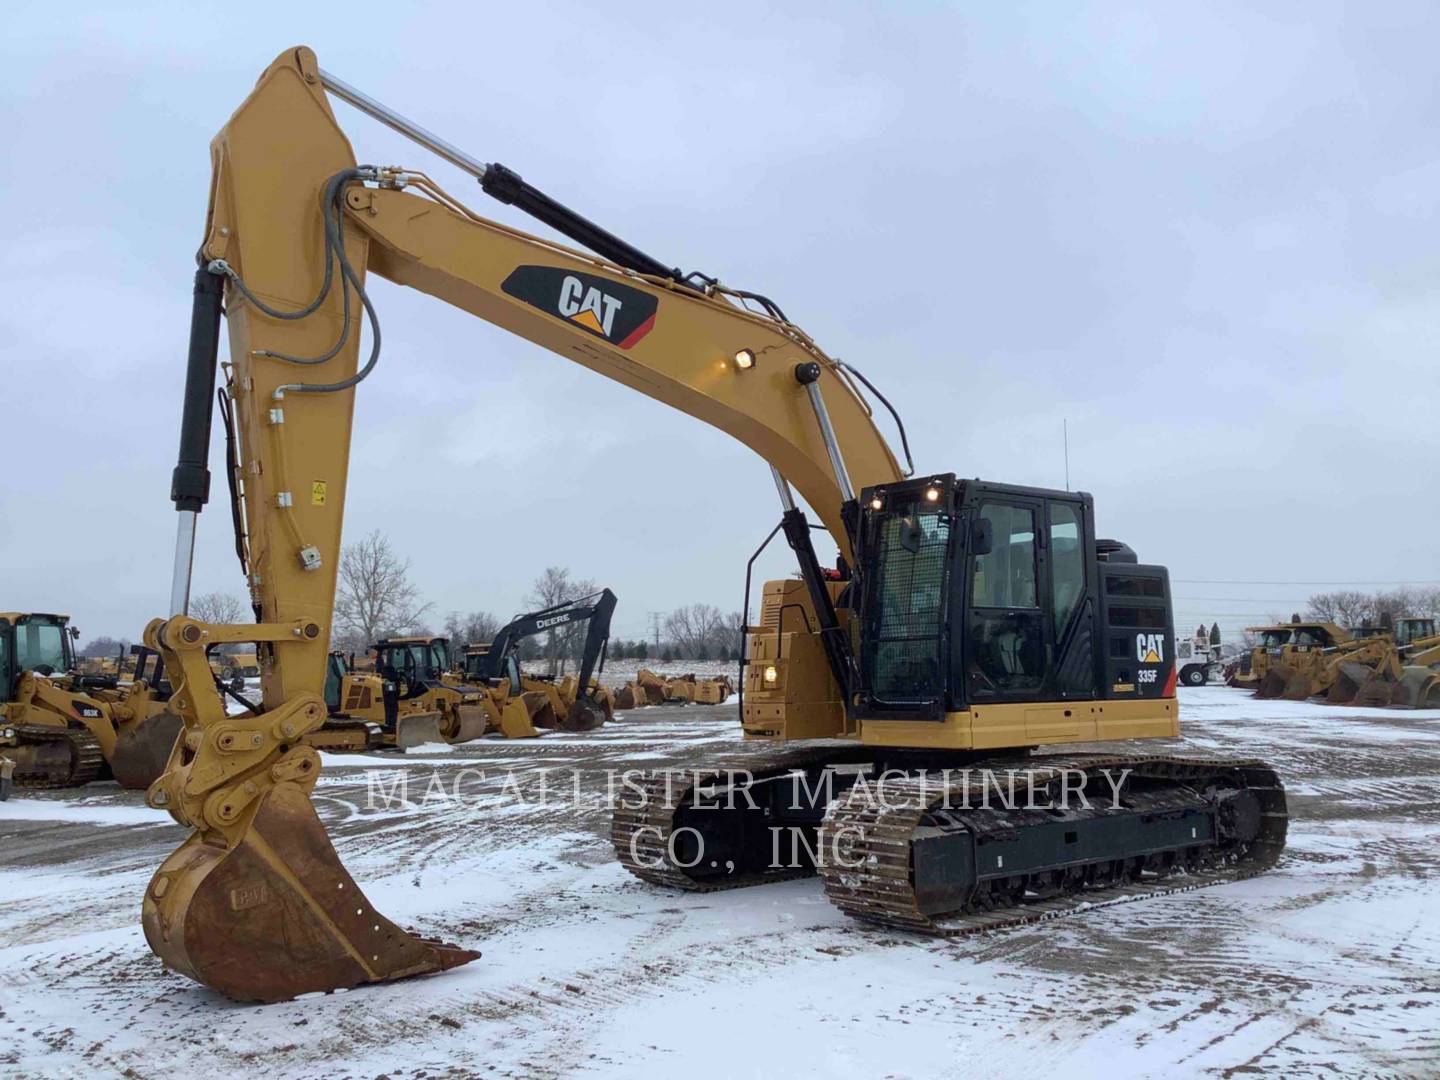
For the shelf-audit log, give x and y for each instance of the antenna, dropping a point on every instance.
(1066, 430)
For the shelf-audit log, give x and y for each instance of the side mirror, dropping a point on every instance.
(982, 536)
(75, 632)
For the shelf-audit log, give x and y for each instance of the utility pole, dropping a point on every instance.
(655, 628)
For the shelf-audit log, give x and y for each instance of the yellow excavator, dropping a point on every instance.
(65, 729)
(965, 623)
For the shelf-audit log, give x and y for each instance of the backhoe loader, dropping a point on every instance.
(965, 622)
(1294, 669)
(67, 729)
(571, 709)
(1395, 664)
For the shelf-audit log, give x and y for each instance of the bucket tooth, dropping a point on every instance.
(275, 914)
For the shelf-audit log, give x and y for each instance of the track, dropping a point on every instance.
(644, 822)
(84, 764)
(875, 880)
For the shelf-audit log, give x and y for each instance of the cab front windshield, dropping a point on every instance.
(41, 645)
(418, 659)
(1273, 639)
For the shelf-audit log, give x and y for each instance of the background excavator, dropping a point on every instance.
(65, 729)
(966, 621)
(574, 708)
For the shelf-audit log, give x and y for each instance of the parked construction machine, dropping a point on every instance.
(1294, 668)
(571, 708)
(1251, 668)
(1397, 663)
(965, 623)
(65, 729)
(405, 697)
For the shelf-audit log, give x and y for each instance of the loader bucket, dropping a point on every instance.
(516, 721)
(1275, 680)
(1419, 688)
(1299, 687)
(628, 697)
(1348, 681)
(542, 713)
(465, 723)
(584, 715)
(1376, 690)
(417, 729)
(276, 915)
(142, 749)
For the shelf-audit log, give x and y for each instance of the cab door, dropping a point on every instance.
(1005, 632)
(1030, 616)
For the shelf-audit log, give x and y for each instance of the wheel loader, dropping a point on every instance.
(964, 624)
(68, 729)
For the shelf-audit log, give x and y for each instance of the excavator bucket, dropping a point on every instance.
(584, 715)
(276, 915)
(143, 748)
(628, 697)
(418, 729)
(468, 723)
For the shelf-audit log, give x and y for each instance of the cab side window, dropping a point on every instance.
(1067, 565)
(1007, 632)
(1005, 577)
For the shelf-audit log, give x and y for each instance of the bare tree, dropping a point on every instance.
(1344, 608)
(556, 586)
(106, 646)
(695, 632)
(470, 629)
(374, 597)
(219, 607)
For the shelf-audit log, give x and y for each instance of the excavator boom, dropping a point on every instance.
(256, 903)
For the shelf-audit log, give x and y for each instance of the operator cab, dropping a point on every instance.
(32, 641)
(415, 661)
(973, 593)
(481, 666)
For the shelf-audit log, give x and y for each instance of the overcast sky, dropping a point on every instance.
(1205, 238)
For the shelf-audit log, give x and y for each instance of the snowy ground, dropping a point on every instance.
(1328, 965)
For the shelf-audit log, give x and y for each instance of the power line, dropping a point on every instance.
(1216, 581)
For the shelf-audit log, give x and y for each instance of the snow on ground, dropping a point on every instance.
(1328, 965)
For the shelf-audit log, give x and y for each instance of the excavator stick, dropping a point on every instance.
(142, 749)
(277, 915)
